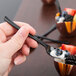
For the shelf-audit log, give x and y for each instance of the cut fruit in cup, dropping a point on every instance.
(66, 69)
(66, 22)
(70, 11)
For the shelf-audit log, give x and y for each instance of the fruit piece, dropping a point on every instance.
(74, 19)
(70, 48)
(74, 23)
(73, 26)
(64, 13)
(58, 14)
(68, 18)
(70, 11)
(68, 26)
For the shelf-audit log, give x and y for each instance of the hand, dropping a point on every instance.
(14, 47)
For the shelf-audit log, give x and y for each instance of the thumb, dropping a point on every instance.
(16, 42)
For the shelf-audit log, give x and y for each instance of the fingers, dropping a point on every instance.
(2, 37)
(16, 42)
(32, 43)
(19, 59)
(9, 30)
(20, 56)
(32, 30)
(26, 50)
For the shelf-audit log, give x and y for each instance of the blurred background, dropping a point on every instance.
(9, 8)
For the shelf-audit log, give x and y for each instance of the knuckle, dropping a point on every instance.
(26, 28)
(26, 24)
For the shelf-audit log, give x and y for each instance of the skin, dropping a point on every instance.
(14, 45)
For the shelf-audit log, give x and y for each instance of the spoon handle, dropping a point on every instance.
(58, 6)
(31, 36)
(50, 30)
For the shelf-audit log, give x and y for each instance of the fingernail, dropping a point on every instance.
(28, 51)
(19, 60)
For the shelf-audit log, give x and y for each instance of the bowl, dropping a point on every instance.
(64, 69)
(66, 28)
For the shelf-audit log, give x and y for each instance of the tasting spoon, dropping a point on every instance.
(58, 54)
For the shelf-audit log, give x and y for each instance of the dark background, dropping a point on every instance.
(41, 18)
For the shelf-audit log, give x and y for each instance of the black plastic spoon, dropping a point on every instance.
(47, 47)
(54, 52)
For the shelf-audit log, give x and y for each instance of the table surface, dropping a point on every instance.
(41, 17)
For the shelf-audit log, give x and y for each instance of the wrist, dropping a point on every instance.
(4, 65)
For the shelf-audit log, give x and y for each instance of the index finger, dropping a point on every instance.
(9, 30)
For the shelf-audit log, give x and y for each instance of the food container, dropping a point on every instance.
(67, 28)
(50, 2)
(66, 69)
